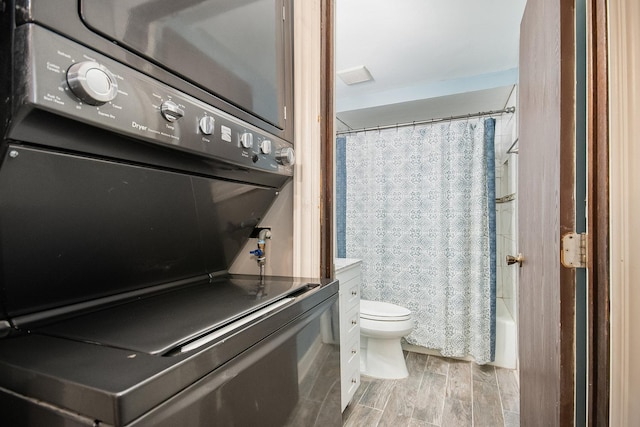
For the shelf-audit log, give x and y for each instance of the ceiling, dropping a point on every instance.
(428, 58)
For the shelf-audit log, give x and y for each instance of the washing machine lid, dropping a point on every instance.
(376, 310)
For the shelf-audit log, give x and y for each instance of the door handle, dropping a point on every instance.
(513, 259)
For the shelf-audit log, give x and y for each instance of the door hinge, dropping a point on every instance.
(574, 250)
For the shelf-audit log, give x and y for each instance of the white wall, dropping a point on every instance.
(625, 210)
(279, 249)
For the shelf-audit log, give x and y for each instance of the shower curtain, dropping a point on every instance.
(417, 205)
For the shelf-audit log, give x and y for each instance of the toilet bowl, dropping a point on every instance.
(382, 324)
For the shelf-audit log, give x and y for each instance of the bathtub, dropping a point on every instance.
(506, 340)
(506, 337)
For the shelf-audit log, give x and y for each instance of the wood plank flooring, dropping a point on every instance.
(438, 392)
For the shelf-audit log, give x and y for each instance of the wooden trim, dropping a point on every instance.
(327, 137)
(567, 210)
(307, 169)
(598, 215)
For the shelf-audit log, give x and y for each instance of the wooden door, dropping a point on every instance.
(546, 211)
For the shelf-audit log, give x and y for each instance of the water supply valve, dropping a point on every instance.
(257, 252)
(260, 252)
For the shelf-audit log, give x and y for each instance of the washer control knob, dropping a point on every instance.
(265, 146)
(246, 140)
(171, 111)
(207, 125)
(286, 156)
(92, 83)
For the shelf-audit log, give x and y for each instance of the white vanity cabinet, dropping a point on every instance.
(348, 273)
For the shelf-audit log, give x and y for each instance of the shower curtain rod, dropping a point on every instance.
(507, 110)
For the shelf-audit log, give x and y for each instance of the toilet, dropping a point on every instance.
(382, 324)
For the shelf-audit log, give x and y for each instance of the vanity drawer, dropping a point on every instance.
(350, 293)
(350, 353)
(350, 369)
(350, 383)
(351, 323)
(350, 281)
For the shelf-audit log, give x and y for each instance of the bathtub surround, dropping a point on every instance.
(417, 211)
(507, 239)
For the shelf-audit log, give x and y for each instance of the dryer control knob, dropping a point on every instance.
(92, 83)
(246, 140)
(286, 156)
(265, 146)
(207, 125)
(171, 111)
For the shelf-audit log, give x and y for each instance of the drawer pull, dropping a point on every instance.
(354, 381)
(354, 293)
(354, 351)
(354, 322)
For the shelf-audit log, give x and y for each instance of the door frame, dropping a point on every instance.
(313, 231)
(328, 137)
(598, 215)
(598, 328)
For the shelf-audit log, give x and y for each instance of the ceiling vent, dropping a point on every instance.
(355, 75)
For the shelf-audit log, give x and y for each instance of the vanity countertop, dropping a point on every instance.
(344, 263)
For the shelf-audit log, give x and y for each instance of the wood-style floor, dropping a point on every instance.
(438, 392)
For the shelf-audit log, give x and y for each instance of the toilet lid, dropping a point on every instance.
(376, 310)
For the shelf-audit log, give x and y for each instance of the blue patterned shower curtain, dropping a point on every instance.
(417, 205)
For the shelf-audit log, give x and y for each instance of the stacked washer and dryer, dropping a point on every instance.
(140, 152)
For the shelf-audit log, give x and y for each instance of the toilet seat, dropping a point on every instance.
(383, 311)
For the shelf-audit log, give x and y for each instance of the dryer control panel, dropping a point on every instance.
(60, 76)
